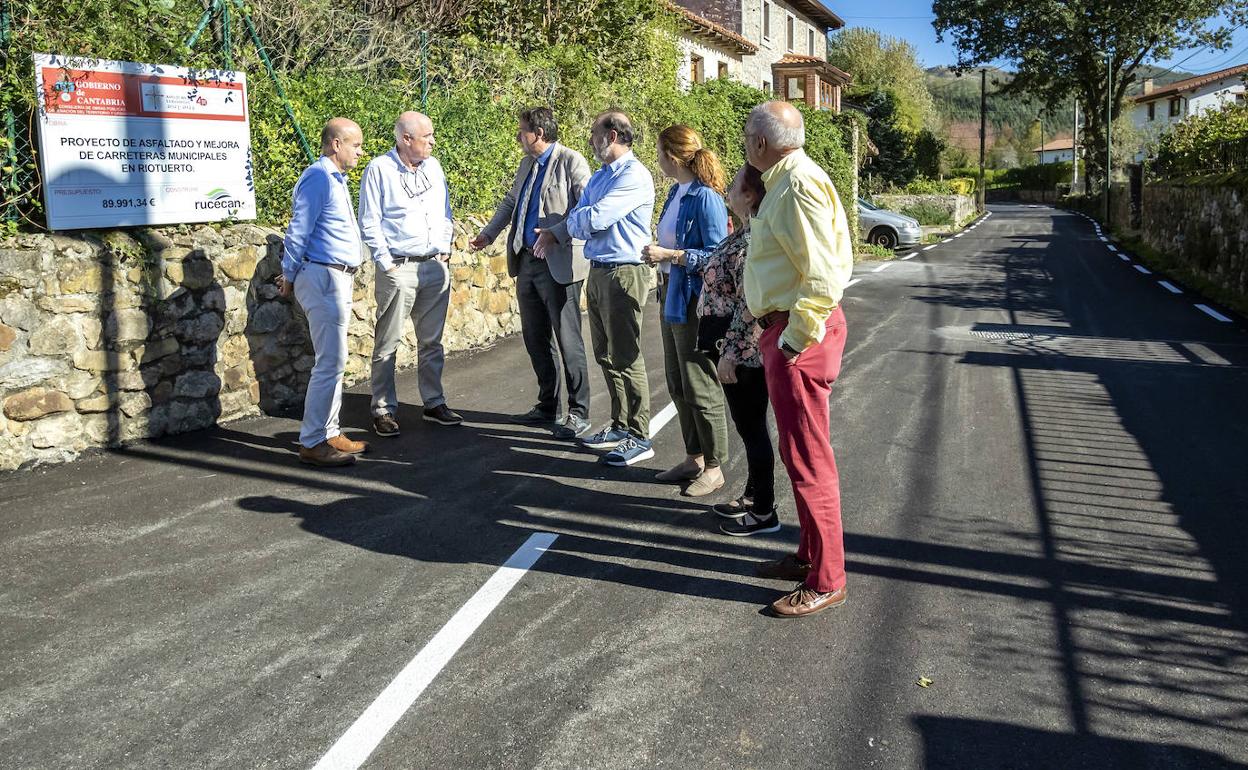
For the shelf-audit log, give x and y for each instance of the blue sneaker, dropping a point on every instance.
(630, 450)
(607, 438)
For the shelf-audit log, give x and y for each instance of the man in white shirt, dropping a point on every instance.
(405, 216)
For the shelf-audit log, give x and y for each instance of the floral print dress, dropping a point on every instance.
(724, 295)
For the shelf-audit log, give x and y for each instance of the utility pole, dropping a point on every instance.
(983, 135)
(1109, 125)
(1074, 151)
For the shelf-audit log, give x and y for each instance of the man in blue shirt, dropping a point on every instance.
(613, 218)
(549, 269)
(320, 257)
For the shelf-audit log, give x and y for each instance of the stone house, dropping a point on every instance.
(779, 46)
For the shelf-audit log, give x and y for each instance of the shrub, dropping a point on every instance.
(928, 213)
(1200, 143)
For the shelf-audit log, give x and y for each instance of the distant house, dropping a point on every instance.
(1056, 151)
(779, 46)
(1159, 108)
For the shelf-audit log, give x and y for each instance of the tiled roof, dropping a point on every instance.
(719, 33)
(1192, 83)
(818, 12)
(1057, 144)
(820, 64)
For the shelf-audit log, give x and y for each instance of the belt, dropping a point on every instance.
(400, 259)
(773, 318)
(612, 265)
(336, 266)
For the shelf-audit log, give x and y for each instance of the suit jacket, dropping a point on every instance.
(566, 174)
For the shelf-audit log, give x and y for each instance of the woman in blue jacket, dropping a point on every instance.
(693, 222)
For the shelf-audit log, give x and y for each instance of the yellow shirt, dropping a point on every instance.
(801, 255)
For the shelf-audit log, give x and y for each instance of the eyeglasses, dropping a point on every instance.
(419, 181)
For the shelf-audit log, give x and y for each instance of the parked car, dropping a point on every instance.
(887, 228)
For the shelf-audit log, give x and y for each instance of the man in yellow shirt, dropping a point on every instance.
(799, 261)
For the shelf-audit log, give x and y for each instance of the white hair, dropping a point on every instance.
(766, 123)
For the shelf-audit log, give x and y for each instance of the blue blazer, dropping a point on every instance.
(701, 223)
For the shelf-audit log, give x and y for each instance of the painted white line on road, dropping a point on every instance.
(1143, 269)
(852, 282)
(1213, 313)
(883, 267)
(361, 739)
(664, 416)
(1104, 239)
(1112, 248)
(1170, 287)
(911, 255)
(929, 248)
(1124, 258)
(959, 235)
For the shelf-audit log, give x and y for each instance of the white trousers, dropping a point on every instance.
(325, 296)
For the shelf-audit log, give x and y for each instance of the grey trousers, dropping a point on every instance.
(421, 290)
(325, 296)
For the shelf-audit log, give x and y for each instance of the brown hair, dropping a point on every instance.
(752, 182)
(683, 146)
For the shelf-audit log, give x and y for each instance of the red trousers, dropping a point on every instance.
(799, 391)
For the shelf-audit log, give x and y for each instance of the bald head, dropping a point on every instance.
(413, 137)
(342, 141)
(780, 124)
(340, 129)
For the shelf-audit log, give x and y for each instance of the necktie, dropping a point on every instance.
(522, 210)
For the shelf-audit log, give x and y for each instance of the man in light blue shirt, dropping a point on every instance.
(405, 214)
(320, 256)
(613, 218)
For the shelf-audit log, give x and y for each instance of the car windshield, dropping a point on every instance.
(867, 206)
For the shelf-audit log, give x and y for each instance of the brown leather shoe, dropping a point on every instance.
(347, 446)
(788, 568)
(803, 601)
(325, 456)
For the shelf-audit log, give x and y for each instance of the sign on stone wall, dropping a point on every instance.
(125, 143)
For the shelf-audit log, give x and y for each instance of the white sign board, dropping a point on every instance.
(123, 144)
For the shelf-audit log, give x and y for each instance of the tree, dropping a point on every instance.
(881, 63)
(895, 165)
(1059, 46)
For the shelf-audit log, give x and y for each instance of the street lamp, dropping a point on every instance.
(1109, 126)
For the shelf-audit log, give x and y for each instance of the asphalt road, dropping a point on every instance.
(1044, 459)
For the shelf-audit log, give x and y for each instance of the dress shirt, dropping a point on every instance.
(800, 254)
(402, 212)
(613, 215)
(534, 192)
(322, 223)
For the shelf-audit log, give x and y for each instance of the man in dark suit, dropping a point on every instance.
(549, 268)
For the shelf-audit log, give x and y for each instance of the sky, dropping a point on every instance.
(911, 20)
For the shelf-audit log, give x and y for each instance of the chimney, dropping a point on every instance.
(1148, 86)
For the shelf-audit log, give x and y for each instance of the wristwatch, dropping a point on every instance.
(786, 347)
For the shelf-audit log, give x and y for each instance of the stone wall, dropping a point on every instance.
(959, 207)
(122, 335)
(1204, 227)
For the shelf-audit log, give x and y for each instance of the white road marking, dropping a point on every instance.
(1124, 258)
(959, 235)
(852, 282)
(1143, 269)
(883, 267)
(664, 416)
(1104, 239)
(911, 255)
(1170, 287)
(1213, 313)
(361, 739)
(1112, 248)
(929, 248)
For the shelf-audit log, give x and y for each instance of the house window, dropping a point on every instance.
(1176, 107)
(795, 87)
(723, 70)
(697, 69)
(766, 21)
(788, 34)
(810, 41)
(1152, 111)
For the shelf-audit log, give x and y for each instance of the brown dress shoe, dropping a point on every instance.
(325, 456)
(347, 446)
(788, 568)
(804, 601)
